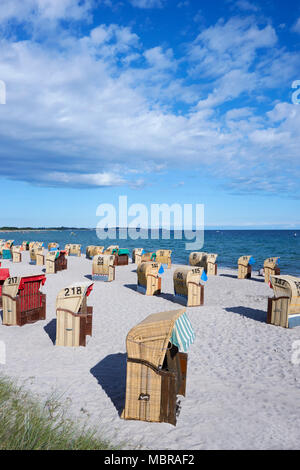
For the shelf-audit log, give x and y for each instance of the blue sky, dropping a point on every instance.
(165, 101)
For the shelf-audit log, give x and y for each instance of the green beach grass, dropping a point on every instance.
(27, 424)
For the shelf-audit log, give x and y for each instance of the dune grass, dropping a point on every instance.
(27, 424)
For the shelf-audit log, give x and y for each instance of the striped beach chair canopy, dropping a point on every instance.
(182, 334)
(149, 340)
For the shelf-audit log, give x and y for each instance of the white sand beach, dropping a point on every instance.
(243, 391)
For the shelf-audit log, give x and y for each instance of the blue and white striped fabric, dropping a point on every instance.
(183, 334)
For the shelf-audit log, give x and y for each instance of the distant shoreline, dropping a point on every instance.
(66, 229)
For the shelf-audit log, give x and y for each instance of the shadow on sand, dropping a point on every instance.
(50, 329)
(233, 276)
(111, 376)
(254, 314)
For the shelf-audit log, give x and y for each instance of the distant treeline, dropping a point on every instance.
(42, 228)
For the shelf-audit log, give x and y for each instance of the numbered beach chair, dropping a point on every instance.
(4, 274)
(245, 264)
(157, 366)
(93, 250)
(74, 250)
(148, 279)
(198, 258)
(39, 256)
(36, 254)
(16, 254)
(137, 255)
(164, 257)
(187, 287)
(121, 256)
(22, 300)
(73, 317)
(284, 307)
(110, 249)
(211, 267)
(271, 268)
(55, 261)
(103, 268)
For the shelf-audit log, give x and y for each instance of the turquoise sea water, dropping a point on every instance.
(229, 244)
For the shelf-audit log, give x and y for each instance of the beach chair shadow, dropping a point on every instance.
(252, 313)
(169, 297)
(50, 329)
(233, 276)
(111, 376)
(131, 286)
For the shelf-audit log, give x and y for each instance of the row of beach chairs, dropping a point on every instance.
(188, 288)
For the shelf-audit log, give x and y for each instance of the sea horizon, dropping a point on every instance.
(229, 244)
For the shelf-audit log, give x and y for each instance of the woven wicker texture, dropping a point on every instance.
(148, 341)
(164, 257)
(147, 274)
(287, 286)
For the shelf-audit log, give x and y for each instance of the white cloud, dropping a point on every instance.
(246, 6)
(87, 179)
(36, 10)
(296, 27)
(147, 3)
(84, 114)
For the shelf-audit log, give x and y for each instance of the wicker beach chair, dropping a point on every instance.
(53, 246)
(164, 257)
(73, 250)
(73, 316)
(245, 267)
(187, 287)
(284, 307)
(16, 253)
(137, 255)
(121, 256)
(25, 245)
(271, 268)
(37, 249)
(103, 268)
(157, 366)
(93, 250)
(197, 258)
(4, 274)
(110, 249)
(22, 300)
(56, 261)
(211, 268)
(148, 279)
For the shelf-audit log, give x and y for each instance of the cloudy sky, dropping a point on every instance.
(165, 101)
